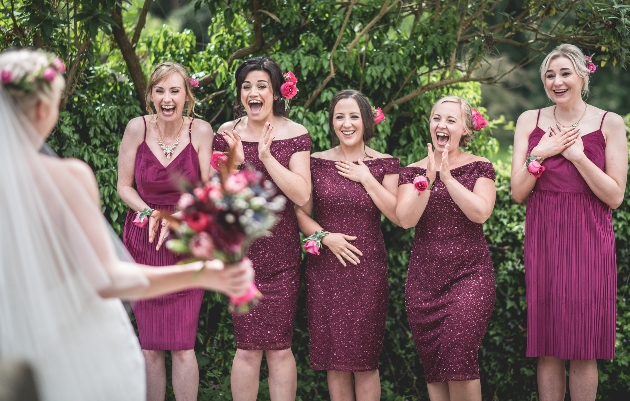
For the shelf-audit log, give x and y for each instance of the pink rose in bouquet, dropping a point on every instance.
(217, 160)
(378, 115)
(288, 90)
(535, 168)
(311, 247)
(227, 214)
(290, 77)
(49, 74)
(420, 183)
(478, 121)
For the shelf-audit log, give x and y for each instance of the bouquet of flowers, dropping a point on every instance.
(221, 218)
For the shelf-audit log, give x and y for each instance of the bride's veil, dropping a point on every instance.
(52, 269)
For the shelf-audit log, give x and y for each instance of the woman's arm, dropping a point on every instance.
(202, 137)
(609, 185)
(294, 182)
(411, 205)
(383, 195)
(132, 139)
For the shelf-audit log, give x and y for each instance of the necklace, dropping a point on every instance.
(168, 149)
(575, 124)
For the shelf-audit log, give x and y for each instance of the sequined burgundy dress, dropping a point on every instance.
(570, 263)
(347, 306)
(276, 260)
(450, 287)
(167, 322)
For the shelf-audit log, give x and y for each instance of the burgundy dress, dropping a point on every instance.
(450, 288)
(570, 265)
(347, 306)
(167, 322)
(276, 260)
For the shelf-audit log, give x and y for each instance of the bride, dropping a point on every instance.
(60, 276)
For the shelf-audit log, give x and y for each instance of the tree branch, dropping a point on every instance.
(129, 55)
(142, 20)
(331, 74)
(384, 10)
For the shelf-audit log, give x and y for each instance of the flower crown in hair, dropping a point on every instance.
(378, 115)
(28, 82)
(590, 65)
(289, 88)
(478, 121)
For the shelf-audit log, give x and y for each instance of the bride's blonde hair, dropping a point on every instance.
(26, 65)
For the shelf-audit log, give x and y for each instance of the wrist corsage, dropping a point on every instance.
(532, 163)
(142, 217)
(422, 183)
(313, 242)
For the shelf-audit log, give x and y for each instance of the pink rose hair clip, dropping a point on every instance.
(289, 88)
(378, 115)
(590, 65)
(478, 121)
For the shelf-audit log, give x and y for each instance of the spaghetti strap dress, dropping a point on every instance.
(276, 260)
(347, 306)
(570, 262)
(450, 289)
(167, 322)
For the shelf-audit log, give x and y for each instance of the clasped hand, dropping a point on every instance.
(445, 168)
(560, 140)
(156, 221)
(341, 248)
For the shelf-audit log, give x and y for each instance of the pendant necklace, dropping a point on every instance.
(575, 124)
(168, 149)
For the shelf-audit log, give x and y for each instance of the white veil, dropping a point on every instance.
(52, 269)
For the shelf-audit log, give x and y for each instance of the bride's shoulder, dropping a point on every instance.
(81, 173)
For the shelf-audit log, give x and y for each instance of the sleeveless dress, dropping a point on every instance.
(167, 322)
(276, 260)
(570, 263)
(450, 290)
(347, 306)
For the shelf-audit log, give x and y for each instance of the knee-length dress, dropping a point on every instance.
(276, 260)
(450, 289)
(167, 322)
(570, 263)
(347, 306)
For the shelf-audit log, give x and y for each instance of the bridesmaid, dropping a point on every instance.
(571, 177)
(154, 148)
(450, 291)
(263, 137)
(347, 286)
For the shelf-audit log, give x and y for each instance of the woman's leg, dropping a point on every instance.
(438, 391)
(282, 374)
(367, 385)
(340, 386)
(246, 374)
(156, 374)
(465, 390)
(583, 380)
(552, 378)
(185, 375)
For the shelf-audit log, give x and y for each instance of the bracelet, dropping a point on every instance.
(313, 242)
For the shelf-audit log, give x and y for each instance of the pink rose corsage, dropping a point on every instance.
(478, 121)
(217, 160)
(142, 217)
(422, 183)
(534, 166)
(313, 243)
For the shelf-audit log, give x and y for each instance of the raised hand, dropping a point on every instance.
(555, 141)
(357, 173)
(445, 168)
(341, 248)
(264, 145)
(233, 140)
(430, 163)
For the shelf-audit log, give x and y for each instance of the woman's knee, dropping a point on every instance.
(249, 357)
(279, 356)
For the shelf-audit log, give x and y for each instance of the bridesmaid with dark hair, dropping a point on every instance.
(571, 176)
(263, 137)
(347, 286)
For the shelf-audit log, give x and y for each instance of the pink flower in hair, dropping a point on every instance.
(58, 64)
(378, 115)
(590, 65)
(194, 83)
(6, 76)
(49, 74)
(290, 77)
(478, 121)
(288, 90)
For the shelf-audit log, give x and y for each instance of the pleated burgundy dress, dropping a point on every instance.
(276, 260)
(450, 289)
(347, 306)
(167, 322)
(570, 263)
